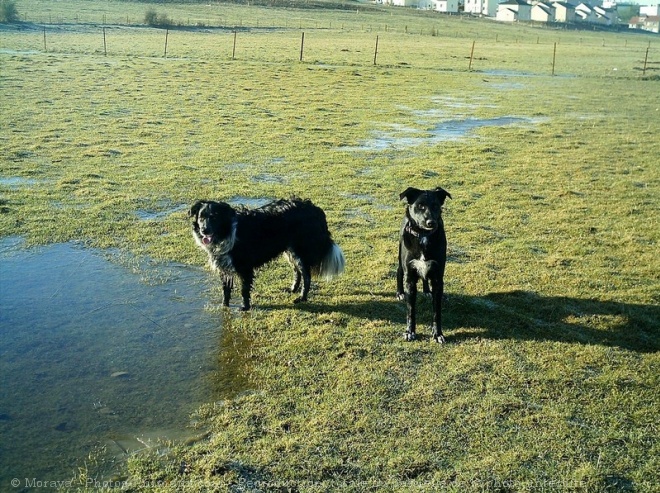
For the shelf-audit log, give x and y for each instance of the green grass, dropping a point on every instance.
(550, 376)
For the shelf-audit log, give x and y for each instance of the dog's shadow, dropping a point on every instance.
(518, 315)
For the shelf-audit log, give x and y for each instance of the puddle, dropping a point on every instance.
(17, 181)
(457, 129)
(161, 211)
(5, 51)
(507, 86)
(513, 73)
(250, 202)
(447, 131)
(448, 121)
(97, 348)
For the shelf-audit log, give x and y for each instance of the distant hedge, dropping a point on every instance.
(153, 18)
(8, 11)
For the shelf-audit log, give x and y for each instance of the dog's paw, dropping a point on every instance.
(409, 336)
(244, 308)
(439, 339)
(400, 296)
(300, 300)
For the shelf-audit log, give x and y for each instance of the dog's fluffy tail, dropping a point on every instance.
(332, 264)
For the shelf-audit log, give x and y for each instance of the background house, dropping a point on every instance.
(487, 8)
(564, 12)
(446, 6)
(514, 10)
(649, 23)
(543, 12)
(649, 10)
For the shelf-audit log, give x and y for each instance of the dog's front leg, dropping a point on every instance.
(247, 278)
(227, 285)
(411, 301)
(437, 292)
(400, 295)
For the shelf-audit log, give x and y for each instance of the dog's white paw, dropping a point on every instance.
(409, 336)
(400, 296)
(439, 339)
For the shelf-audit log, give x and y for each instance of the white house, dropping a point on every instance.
(564, 12)
(649, 10)
(649, 23)
(481, 7)
(543, 12)
(606, 16)
(585, 13)
(446, 6)
(401, 3)
(514, 10)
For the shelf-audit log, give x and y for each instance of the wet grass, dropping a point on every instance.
(550, 375)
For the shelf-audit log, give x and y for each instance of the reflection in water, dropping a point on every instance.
(93, 354)
(234, 360)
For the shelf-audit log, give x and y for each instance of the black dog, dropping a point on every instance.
(238, 241)
(422, 254)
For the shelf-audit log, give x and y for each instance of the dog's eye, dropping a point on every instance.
(421, 208)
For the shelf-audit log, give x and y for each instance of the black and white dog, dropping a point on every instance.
(240, 240)
(422, 255)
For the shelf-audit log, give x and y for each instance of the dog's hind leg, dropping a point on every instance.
(247, 278)
(303, 276)
(306, 275)
(437, 292)
(297, 274)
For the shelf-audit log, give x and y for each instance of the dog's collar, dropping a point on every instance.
(418, 233)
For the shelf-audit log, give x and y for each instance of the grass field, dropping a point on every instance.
(549, 379)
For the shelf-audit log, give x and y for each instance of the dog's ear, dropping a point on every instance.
(442, 194)
(194, 210)
(410, 194)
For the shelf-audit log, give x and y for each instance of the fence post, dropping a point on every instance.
(45, 47)
(554, 57)
(376, 50)
(167, 33)
(105, 48)
(233, 51)
(646, 58)
(302, 45)
(471, 56)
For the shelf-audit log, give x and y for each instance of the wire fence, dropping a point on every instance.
(533, 53)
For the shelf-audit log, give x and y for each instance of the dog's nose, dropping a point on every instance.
(430, 223)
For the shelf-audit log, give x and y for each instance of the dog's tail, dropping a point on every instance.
(332, 264)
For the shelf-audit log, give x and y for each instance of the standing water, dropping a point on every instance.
(96, 356)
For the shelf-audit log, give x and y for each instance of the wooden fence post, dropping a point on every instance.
(302, 45)
(233, 51)
(471, 56)
(554, 57)
(45, 47)
(167, 33)
(646, 58)
(376, 50)
(105, 48)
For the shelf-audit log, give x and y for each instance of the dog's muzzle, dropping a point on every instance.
(430, 224)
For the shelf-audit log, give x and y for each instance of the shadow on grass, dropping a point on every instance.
(521, 315)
